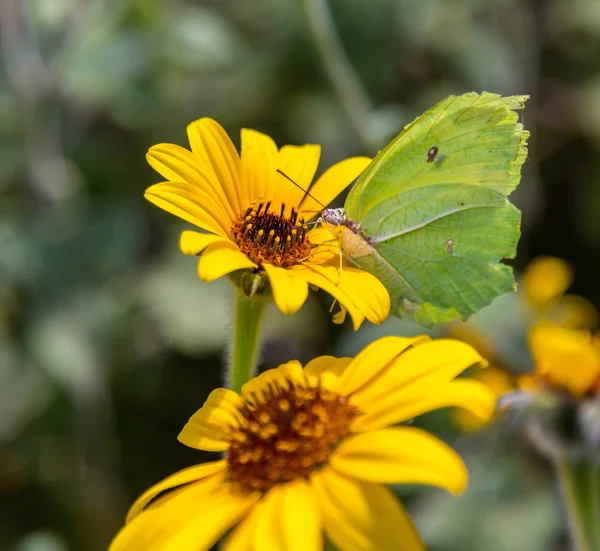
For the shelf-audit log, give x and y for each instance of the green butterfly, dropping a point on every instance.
(430, 216)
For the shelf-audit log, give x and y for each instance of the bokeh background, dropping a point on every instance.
(108, 342)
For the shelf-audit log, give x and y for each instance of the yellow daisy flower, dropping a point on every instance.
(256, 218)
(565, 359)
(543, 286)
(541, 292)
(309, 450)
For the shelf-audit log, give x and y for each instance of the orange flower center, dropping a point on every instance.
(264, 236)
(287, 436)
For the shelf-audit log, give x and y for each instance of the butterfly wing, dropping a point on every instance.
(434, 205)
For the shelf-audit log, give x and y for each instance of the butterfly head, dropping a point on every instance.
(335, 217)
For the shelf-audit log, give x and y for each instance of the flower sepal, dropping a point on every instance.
(251, 283)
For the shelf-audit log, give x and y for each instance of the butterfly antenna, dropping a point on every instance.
(304, 190)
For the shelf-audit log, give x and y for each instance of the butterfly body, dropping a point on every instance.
(430, 215)
(353, 243)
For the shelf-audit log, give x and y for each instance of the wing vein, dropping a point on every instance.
(424, 223)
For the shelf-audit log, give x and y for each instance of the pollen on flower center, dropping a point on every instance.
(287, 436)
(265, 236)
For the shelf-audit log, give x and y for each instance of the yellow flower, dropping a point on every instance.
(545, 279)
(256, 218)
(543, 286)
(565, 359)
(541, 291)
(308, 450)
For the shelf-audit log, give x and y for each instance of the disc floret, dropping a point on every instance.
(287, 435)
(269, 237)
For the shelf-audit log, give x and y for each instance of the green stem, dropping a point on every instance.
(346, 83)
(245, 345)
(580, 487)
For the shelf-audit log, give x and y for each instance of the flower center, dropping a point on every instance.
(264, 236)
(287, 436)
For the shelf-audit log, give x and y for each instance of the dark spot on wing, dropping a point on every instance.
(432, 154)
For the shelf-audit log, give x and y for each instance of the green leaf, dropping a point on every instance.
(433, 206)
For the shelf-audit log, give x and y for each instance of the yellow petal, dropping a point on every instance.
(545, 279)
(575, 312)
(299, 164)
(291, 371)
(326, 364)
(259, 166)
(401, 405)
(469, 333)
(373, 359)
(254, 391)
(225, 399)
(259, 389)
(499, 382)
(401, 455)
(288, 519)
(193, 520)
(497, 379)
(339, 317)
(322, 236)
(186, 476)
(203, 438)
(365, 292)
(240, 538)
(218, 159)
(210, 422)
(530, 383)
(176, 199)
(328, 381)
(360, 516)
(315, 278)
(174, 163)
(220, 259)
(567, 358)
(420, 368)
(358, 292)
(290, 288)
(332, 182)
(325, 251)
(180, 165)
(193, 243)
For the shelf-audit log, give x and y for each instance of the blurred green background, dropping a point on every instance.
(108, 342)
